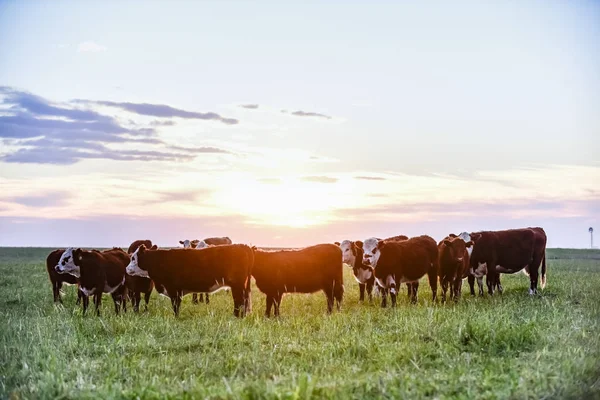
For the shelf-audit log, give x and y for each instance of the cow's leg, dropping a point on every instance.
(498, 284)
(195, 298)
(238, 300)
(330, 299)
(383, 292)
(471, 280)
(175, 301)
(370, 290)
(338, 294)
(79, 296)
(56, 285)
(201, 297)
(137, 299)
(270, 301)
(534, 268)
(147, 298)
(98, 301)
(444, 283)
(206, 300)
(433, 280)
(86, 301)
(415, 290)
(457, 288)
(117, 300)
(408, 289)
(480, 285)
(393, 293)
(361, 288)
(278, 303)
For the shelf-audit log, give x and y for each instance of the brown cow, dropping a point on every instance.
(136, 285)
(99, 272)
(300, 271)
(453, 265)
(508, 251)
(177, 272)
(406, 261)
(56, 279)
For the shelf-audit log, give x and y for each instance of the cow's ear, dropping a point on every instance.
(181, 242)
(155, 247)
(447, 242)
(336, 243)
(142, 248)
(77, 254)
(381, 244)
(253, 248)
(475, 236)
(359, 244)
(452, 235)
(194, 242)
(469, 243)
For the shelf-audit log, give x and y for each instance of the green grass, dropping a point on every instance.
(509, 346)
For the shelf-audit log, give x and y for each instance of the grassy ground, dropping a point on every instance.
(509, 346)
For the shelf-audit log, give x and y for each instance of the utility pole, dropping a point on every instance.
(591, 231)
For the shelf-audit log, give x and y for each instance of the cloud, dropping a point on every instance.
(161, 111)
(90, 47)
(249, 106)
(51, 199)
(270, 181)
(319, 179)
(188, 196)
(307, 114)
(63, 134)
(369, 178)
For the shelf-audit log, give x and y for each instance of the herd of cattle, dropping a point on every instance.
(213, 264)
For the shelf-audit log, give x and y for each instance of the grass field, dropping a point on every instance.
(508, 346)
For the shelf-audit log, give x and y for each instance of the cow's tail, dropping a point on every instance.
(248, 286)
(544, 271)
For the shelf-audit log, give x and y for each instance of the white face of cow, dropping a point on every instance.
(467, 238)
(133, 269)
(372, 253)
(202, 245)
(66, 264)
(186, 243)
(348, 256)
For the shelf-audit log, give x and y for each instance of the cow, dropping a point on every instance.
(133, 246)
(98, 272)
(177, 272)
(453, 264)
(56, 279)
(508, 251)
(405, 261)
(136, 285)
(202, 244)
(306, 270)
(352, 254)
(371, 255)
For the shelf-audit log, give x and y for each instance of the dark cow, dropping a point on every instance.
(352, 254)
(136, 285)
(56, 279)
(299, 271)
(99, 272)
(508, 251)
(371, 255)
(177, 272)
(406, 261)
(453, 265)
(133, 246)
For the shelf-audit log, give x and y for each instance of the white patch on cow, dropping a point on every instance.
(110, 290)
(391, 283)
(87, 292)
(480, 271)
(189, 244)
(347, 256)
(133, 269)
(66, 264)
(217, 286)
(363, 275)
(371, 254)
(380, 282)
(532, 292)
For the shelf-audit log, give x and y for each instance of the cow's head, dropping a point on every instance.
(186, 243)
(200, 244)
(134, 268)
(67, 264)
(455, 248)
(371, 251)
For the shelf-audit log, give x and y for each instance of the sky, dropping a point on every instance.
(296, 123)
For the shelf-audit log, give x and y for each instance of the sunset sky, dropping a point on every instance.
(289, 125)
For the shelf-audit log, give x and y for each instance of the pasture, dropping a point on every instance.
(508, 346)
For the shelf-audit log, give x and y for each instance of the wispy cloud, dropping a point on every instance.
(319, 179)
(249, 106)
(90, 47)
(369, 178)
(47, 133)
(161, 111)
(50, 199)
(300, 113)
